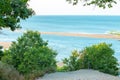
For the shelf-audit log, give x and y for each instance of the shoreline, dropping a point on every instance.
(5, 45)
(104, 36)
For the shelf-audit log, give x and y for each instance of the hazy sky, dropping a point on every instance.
(61, 7)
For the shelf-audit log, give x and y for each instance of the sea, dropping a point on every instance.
(64, 45)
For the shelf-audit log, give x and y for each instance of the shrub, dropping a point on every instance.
(100, 57)
(73, 62)
(119, 69)
(1, 52)
(8, 72)
(30, 54)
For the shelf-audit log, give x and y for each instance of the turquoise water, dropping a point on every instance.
(86, 24)
(77, 24)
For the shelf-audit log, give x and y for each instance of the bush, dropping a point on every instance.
(8, 72)
(119, 72)
(1, 52)
(73, 62)
(30, 54)
(119, 69)
(100, 57)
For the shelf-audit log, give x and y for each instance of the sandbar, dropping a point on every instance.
(105, 36)
(108, 36)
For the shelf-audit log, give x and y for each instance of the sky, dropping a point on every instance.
(61, 7)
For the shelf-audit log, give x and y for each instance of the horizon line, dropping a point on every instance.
(70, 15)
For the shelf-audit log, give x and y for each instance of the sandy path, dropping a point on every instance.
(79, 75)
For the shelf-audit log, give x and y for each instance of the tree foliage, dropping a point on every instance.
(99, 3)
(1, 52)
(73, 62)
(12, 11)
(100, 57)
(30, 53)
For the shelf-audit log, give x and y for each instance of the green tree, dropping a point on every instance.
(100, 57)
(99, 3)
(1, 52)
(12, 11)
(73, 62)
(30, 53)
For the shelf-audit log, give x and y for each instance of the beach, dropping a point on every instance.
(105, 36)
(5, 45)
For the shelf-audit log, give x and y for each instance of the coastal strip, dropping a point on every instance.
(108, 36)
(5, 45)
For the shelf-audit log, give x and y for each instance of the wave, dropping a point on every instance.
(115, 32)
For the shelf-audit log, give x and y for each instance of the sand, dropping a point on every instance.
(82, 74)
(107, 36)
(5, 45)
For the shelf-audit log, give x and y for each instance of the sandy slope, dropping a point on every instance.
(79, 75)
